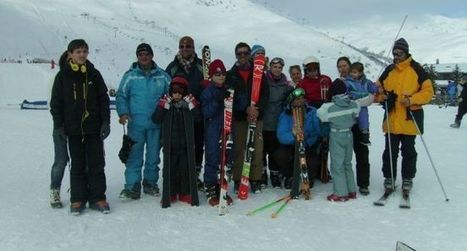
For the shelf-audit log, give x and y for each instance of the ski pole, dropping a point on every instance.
(268, 205)
(276, 213)
(429, 156)
(389, 145)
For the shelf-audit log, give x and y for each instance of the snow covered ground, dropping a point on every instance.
(28, 223)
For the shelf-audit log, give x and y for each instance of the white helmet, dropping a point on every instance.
(309, 60)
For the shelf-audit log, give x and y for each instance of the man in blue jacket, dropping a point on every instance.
(139, 91)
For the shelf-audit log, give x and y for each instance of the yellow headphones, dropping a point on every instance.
(77, 67)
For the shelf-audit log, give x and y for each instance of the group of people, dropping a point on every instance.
(181, 110)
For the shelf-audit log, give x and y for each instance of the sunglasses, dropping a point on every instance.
(398, 54)
(243, 53)
(185, 46)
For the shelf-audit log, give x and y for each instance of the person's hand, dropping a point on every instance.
(165, 102)
(405, 101)
(60, 132)
(105, 130)
(191, 101)
(252, 113)
(123, 119)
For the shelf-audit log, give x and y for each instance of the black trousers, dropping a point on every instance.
(361, 157)
(87, 177)
(271, 144)
(199, 143)
(284, 157)
(409, 156)
(462, 109)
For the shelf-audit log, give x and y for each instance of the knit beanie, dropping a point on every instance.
(402, 45)
(144, 47)
(257, 48)
(216, 66)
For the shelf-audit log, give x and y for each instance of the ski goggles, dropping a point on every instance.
(296, 93)
(277, 61)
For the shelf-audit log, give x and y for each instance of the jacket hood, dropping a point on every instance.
(342, 100)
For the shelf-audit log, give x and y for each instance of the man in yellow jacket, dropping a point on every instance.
(404, 87)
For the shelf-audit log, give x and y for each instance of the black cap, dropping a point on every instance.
(144, 47)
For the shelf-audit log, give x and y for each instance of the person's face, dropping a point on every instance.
(343, 68)
(243, 55)
(79, 55)
(295, 75)
(355, 74)
(276, 69)
(218, 79)
(145, 58)
(399, 55)
(177, 92)
(312, 70)
(186, 49)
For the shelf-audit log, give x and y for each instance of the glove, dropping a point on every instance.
(60, 132)
(105, 130)
(390, 99)
(191, 101)
(165, 102)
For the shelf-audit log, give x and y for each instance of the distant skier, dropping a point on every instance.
(462, 109)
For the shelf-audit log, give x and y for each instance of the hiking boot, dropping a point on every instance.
(276, 179)
(127, 194)
(76, 208)
(336, 198)
(150, 189)
(55, 198)
(255, 186)
(352, 195)
(364, 191)
(101, 206)
(212, 194)
(407, 184)
(388, 183)
(456, 124)
(365, 139)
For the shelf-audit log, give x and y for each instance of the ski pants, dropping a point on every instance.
(240, 133)
(284, 157)
(60, 161)
(212, 152)
(409, 156)
(363, 119)
(462, 109)
(340, 148)
(361, 157)
(151, 139)
(87, 177)
(271, 144)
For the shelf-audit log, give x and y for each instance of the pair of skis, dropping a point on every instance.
(285, 201)
(404, 202)
(298, 115)
(258, 70)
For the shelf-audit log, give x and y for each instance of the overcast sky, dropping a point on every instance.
(332, 12)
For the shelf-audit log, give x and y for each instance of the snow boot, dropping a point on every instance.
(276, 179)
(150, 189)
(55, 198)
(364, 191)
(127, 194)
(186, 198)
(456, 124)
(101, 206)
(352, 195)
(77, 208)
(264, 178)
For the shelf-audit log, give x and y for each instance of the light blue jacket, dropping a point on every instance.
(139, 93)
